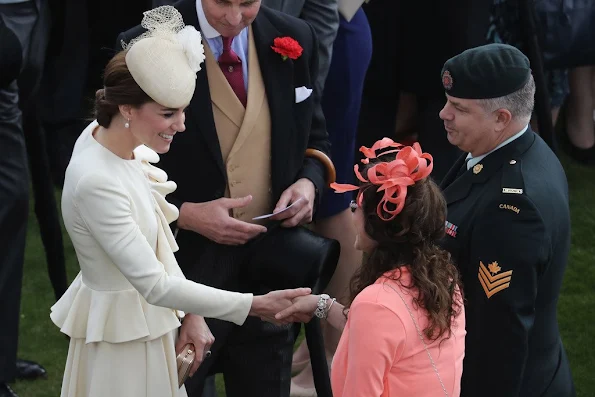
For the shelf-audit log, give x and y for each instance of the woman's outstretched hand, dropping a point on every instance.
(267, 306)
(302, 307)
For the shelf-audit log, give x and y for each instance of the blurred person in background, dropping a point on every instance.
(21, 63)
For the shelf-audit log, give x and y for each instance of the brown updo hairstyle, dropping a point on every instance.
(119, 88)
(410, 239)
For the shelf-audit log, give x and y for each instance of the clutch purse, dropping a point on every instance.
(184, 360)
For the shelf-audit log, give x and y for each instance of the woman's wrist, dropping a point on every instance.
(323, 306)
(330, 305)
(255, 308)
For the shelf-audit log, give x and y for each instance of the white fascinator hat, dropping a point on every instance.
(165, 59)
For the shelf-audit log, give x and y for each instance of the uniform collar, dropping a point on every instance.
(472, 161)
(457, 188)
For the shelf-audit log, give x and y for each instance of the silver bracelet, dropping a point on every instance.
(328, 310)
(321, 306)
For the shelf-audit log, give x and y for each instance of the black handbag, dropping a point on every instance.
(566, 29)
(290, 258)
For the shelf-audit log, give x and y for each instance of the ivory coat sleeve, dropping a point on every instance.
(106, 211)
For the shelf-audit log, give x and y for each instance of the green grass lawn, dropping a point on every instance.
(40, 340)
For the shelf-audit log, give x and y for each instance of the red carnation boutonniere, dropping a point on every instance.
(287, 48)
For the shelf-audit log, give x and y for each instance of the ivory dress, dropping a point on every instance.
(118, 310)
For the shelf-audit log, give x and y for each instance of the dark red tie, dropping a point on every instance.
(231, 66)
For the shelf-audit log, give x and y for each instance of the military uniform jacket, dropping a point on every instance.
(508, 230)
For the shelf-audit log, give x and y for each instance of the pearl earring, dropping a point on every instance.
(127, 124)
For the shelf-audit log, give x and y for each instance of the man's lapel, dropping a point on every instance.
(453, 172)
(200, 111)
(456, 187)
(277, 76)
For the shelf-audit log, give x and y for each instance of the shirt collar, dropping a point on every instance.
(471, 161)
(207, 30)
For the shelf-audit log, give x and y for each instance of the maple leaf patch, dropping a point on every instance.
(494, 268)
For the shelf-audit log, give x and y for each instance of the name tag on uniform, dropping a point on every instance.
(511, 190)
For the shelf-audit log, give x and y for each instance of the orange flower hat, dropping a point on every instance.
(392, 177)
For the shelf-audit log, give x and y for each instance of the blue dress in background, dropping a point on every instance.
(341, 101)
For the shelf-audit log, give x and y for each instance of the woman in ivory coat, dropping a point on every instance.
(123, 310)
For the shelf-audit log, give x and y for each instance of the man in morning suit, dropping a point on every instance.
(508, 227)
(252, 117)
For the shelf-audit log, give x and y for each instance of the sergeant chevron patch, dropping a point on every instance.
(491, 281)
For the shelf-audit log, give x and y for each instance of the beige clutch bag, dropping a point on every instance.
(185, 360)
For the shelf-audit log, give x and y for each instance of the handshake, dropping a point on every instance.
(277, 307)
(285, 306)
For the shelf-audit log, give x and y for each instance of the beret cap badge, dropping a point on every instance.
(447, 80)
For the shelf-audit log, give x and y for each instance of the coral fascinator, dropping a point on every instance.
(392, 177)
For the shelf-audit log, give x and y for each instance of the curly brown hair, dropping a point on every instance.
(410, 240)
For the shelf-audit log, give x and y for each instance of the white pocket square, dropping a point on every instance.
(302, 93)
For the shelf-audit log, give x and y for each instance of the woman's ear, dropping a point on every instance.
(126, 111)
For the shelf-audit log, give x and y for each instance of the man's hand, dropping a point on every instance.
(195, 331)
(301, 212)
(212, 220)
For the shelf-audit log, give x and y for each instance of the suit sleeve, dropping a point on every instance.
(370, 361)
(106, 212)
(323, 15)
(313, 169)
(509, 247)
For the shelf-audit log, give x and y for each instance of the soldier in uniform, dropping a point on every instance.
(508, 227)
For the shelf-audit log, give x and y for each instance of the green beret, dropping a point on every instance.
(488, 71)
